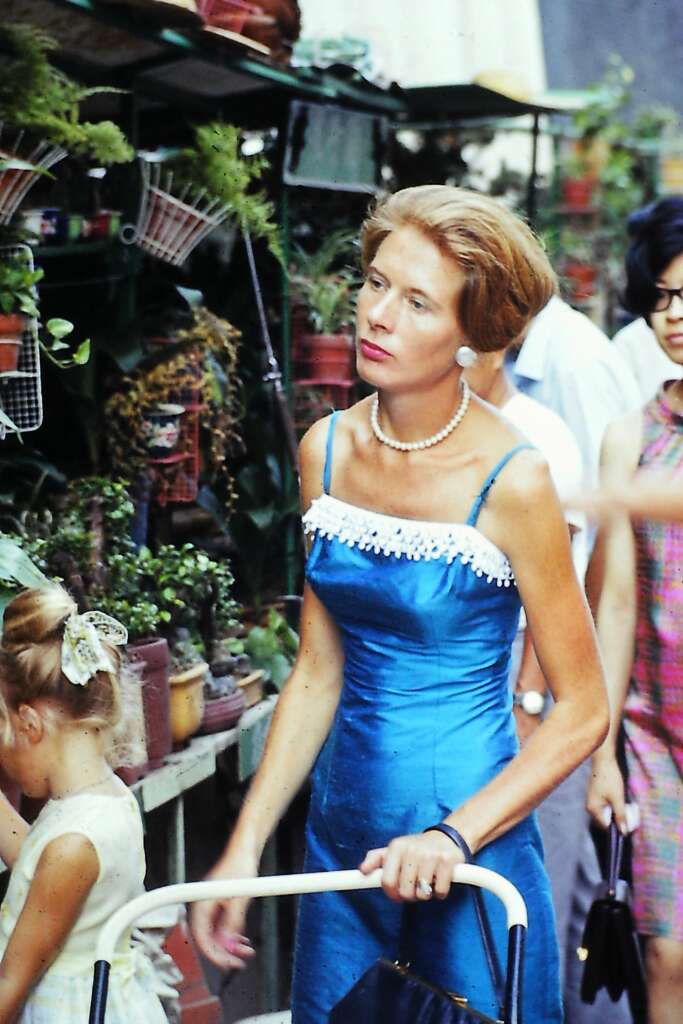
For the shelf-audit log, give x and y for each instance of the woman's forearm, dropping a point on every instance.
(569, 735)
(616, 623)
(301, 722)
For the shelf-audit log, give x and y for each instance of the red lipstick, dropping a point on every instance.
(372, 351)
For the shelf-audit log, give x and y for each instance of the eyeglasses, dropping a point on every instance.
(664, 297)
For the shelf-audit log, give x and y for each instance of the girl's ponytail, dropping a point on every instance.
(31, 664)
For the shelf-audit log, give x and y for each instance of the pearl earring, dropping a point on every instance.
(465, 357)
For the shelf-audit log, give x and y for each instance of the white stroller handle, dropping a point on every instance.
(292, 885)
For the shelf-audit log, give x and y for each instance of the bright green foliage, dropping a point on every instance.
(273, 647)
(216, 165)
(36, 95)
(17, 284)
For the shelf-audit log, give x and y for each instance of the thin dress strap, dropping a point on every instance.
(327, 472)
(490, 480)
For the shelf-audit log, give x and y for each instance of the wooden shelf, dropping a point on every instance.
(197, 762)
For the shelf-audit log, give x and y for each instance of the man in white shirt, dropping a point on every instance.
(649, 364)
(568, 364)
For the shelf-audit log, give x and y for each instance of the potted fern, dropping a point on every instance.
(213, 182)
(324, 300)
(38, 97)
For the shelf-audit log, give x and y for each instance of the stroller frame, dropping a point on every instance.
(294, 885)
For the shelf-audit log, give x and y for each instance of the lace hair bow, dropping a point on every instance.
(83, 653)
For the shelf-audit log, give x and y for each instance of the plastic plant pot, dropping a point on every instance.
(162, 430)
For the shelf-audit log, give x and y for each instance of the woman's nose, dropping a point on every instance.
(675, 310)
(381, 312)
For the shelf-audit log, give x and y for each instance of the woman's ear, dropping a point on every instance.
(30, 725)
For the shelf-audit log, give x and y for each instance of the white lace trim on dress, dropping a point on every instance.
(416, 540)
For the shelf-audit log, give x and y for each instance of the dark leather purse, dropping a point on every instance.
(610, 947)
(391, 991)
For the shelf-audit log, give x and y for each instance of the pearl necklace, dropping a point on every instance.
(413, 446)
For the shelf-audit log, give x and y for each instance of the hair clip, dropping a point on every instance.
(83, 653)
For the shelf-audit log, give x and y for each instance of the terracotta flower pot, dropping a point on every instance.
(582, 278)
(187, 701)
(578, 192)
(222, 713)
(153, 653)
(11, 330)
(330, 356)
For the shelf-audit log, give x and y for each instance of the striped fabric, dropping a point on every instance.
(653, 716)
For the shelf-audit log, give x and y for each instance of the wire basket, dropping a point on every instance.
(169, 227)
(20, 394)
(23, 170)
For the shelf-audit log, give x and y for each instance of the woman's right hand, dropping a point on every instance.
(606, 797)
(218, 925)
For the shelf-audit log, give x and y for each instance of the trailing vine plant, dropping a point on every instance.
(206, 362)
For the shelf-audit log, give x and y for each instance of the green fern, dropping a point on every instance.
(216, 165)
(37, 96)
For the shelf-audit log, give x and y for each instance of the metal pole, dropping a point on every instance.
(274, 374)
(531, 210)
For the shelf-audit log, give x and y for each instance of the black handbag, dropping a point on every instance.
(392, 992)
(610, 947)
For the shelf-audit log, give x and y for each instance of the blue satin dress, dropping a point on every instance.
(427, 613)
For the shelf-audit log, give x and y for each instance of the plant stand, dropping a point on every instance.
(20, 393)
(169, 227)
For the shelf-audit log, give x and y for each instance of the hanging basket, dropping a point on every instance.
(169, 227)
(22, 171)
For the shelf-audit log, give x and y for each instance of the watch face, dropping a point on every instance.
(532, 702)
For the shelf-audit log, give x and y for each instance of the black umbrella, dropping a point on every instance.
(610, 947)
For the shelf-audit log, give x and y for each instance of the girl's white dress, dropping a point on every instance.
(62, 996)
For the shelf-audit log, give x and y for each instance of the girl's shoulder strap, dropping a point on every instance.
(491, 479)
(327, 472)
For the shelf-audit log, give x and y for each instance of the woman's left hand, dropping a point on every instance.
(415, 867)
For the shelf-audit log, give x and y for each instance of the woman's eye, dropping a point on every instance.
(417, 304)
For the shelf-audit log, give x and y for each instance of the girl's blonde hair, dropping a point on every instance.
(31, 662)
(508, 278)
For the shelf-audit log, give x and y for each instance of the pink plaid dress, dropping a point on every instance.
(653, 716)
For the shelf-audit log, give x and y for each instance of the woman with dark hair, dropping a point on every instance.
(429, 519)
(640, 621)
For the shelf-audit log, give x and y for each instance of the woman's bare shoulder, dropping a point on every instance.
(350, 424)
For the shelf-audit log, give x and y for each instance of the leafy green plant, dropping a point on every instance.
(273, 647)
(326, 291)
(17, 286)
(36, 95)
(52, 341)
(216, 165)
(204, 361)
(17, 570)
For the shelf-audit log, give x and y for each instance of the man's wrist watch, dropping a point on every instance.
(531, 702)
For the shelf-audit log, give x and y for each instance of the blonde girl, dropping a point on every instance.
(83, 856)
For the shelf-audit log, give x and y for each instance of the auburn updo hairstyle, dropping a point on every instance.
(31, 662)
(508, 277)
(656, 233)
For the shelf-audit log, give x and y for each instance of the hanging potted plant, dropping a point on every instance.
(17, 302)
(38, 97)
(213, 181)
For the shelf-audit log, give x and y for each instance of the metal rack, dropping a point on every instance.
(20, 391)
